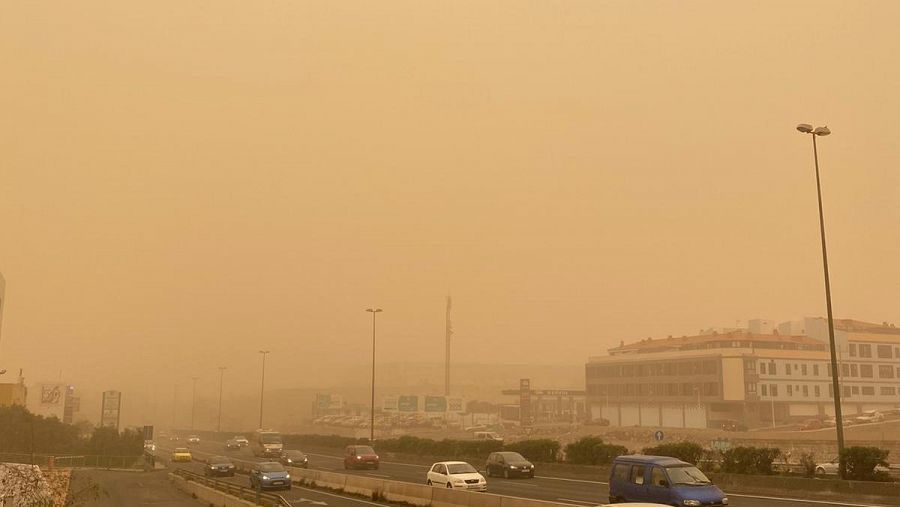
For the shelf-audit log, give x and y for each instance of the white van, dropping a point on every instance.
(488, 435)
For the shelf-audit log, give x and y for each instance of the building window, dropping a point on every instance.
(865, 350)
(852, 348)
(817, 391)
(854, 389)
(787, 368)
(790, 390)
(865, 370)
(884, 352)
(830, 391)
(709, 368)
(888, 391)
(762, 368)
(774, 390)
(845, 390)
(816, 370)
(854, 370)
(885, 371)
(803, 369)
(868, 390)
(751, 387)
(764, 390)
(806, 391)
(845, 370)
(772, 370)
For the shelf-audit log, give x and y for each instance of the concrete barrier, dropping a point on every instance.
(443, 497)
(208, 495)
(365, 486)
(510, 501)
(414, 494)
(817, 488)
(329, 480)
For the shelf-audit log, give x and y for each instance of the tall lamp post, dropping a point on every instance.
(221, 376)
(193, 401)
(262, 386)
(373, 311)
(838, 416)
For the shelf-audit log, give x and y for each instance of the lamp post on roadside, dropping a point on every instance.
(193, 401)
(262, 386)
(373, 311)
(838, 416)
(221, 375)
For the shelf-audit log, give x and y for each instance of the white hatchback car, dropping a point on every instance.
(455, 475)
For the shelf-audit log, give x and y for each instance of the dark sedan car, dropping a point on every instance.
(508, 464)
(294, 459)
(218, 465)
(232, 445)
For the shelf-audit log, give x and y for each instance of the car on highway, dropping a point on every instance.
(269, 475)
(360, 456)
(193, 440)
(149, 445)
(218, 465)
(241, 440)
(182, 454)
(294, 458)
(232, 445)
(490, 436)
(662, 479)
(508, 464)
(869, 416)
(455, 475)
(634, 504)
(831, 467)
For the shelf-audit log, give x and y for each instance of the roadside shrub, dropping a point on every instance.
(685, 451)
(437, 448)
(592, 450)
(541, 450)
(749, 460)
(860, 463)
(326, 441)
(808, 464)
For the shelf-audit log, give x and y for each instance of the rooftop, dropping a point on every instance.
(725, 340)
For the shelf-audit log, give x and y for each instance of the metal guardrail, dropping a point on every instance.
(229, 488)
(85, 461)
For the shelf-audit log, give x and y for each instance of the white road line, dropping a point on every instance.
(384, 462)
(589, 502)
(571, 480)
(379, 475)
(339, 496)
(820, 502)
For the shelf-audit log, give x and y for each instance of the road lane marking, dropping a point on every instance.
(383, 462)
(820, 502)
(571, 480)
(379, 475)
(589, 502)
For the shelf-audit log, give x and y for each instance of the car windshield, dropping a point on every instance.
(687, 475)
(512, 456)
(293, 454)
(219, 460)
(181, 449)
(365, 449)
(461, 468)
(270, 439)
(271, 467)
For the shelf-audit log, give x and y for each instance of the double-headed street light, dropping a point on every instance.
(221, 375)
(373, 311)
(193, 401)
(262, 386)
(838, 416)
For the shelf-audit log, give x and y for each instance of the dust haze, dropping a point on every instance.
(184, 184)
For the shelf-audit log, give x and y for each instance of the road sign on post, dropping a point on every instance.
(658, 436)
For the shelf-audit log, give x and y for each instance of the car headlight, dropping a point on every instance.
(359, 457)
(725, 501)
(691, 502)
(266, 477)
(289, 460)
(288, 476)
(513, 467)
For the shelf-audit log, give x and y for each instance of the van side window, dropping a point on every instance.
(620, 472)
(658, 477)
(637, 474)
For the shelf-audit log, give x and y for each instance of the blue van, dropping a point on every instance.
(664, 480)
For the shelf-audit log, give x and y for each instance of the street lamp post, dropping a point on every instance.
(838, 416)
(373, 311)
(193, 401)
(221, 375)
(262, 386)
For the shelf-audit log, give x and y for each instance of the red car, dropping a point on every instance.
(360, 456)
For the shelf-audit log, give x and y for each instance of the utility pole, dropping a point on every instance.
(193, 402)
(448, 332)
(221, 375)
(262, 386)
(373, 311)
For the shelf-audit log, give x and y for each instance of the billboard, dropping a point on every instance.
(435, 404)
(525, 402)
(52, 394)
(329, 402)
(110, 409)
(455, 405)
(389, 404)
(408, 403)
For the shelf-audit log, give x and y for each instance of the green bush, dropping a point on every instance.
(808, 464)
(685, 451)
(438, 448)
(592, 450)
(749, 460)
(860, 463)
(326, 441)
(541, 450)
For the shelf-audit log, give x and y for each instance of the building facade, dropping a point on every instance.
(756, 379)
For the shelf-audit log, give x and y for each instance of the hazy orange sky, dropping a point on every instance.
(184, 183)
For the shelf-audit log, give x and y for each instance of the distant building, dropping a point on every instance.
(702, 381)
(13, 394)
(2, 304)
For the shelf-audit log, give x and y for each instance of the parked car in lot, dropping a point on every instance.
(732, 425)
(488, 435)
(269, 475)
(455, 475)
(193, 440)
(182, 454)
(661, 479)
(508, 464)
(869, 416)
(360, 456)
(832, 466)
(294, 459)
(218, 465)
(149, 445)
(241, 440)
(813, 424)
(232, 445)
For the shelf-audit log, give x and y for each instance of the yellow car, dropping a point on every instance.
(181, 454)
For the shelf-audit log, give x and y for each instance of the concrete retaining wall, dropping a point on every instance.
(208, 495)
(766, 484)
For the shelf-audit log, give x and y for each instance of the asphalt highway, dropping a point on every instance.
(556, 489)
